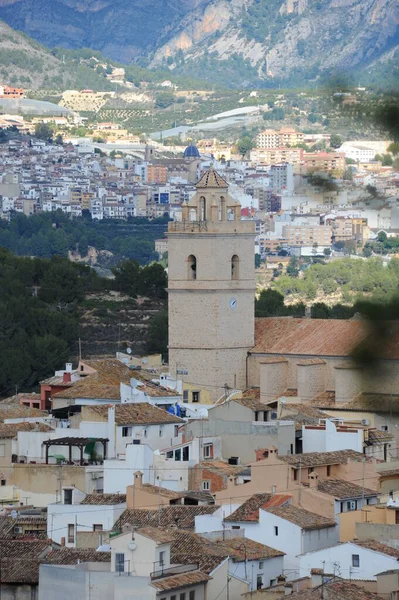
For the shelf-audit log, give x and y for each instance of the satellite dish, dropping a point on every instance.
(14, 514)
(129, 350)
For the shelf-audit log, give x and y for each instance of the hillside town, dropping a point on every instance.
(304, 203)
(261, 460)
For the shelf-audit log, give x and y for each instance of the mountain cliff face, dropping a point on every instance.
(281, 39)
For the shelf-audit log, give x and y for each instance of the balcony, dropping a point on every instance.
(175, 570)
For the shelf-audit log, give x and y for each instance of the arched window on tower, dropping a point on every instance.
(235, 267)
(202, 216)
(192, 267)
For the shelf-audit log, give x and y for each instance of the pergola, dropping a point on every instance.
(75, 442)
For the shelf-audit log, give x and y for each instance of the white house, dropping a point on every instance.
(331, 436)
(285, 527)
(351, 560)
(79, 512)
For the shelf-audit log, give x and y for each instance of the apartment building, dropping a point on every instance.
(344, 229)
(157, 174)
(327, 162)
(287, 136)
(271, 156)
(307, 235)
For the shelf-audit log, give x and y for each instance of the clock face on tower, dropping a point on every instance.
(233, 303)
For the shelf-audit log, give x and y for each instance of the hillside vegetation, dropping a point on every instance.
(346, 280)
(47, 304)
(239, 42)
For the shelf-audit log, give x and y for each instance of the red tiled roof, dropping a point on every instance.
(249, 510)
(315, 337)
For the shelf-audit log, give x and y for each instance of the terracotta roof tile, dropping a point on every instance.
(21, 559)
(308, 337)
(375, 403)
(318, 459)
(179, 581)
(301, 517)
(341, 489)
(71, 556)
(10, 430)
(182, 516)
(249, 510)
(160, 536)
(142, 413)
(378, 547)
(104, 499)
(222, 468)
(336, 590)
(211, 179)
(377, 436)
(18, 411)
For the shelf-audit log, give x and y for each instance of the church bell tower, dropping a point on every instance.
(211, 289)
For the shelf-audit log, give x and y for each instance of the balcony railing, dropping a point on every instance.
(176, 570)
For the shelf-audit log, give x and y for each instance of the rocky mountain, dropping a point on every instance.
(268, 40)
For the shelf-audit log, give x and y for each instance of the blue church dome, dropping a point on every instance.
(191, 152)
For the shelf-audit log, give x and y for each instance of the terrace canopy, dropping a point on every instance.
(75, 442)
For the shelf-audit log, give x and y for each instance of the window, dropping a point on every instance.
(273, 582)
(236, 527)
(208, 451)
(291, 448)
(261, 565)
(192, 267)
(295, 474)
(186, 453)
(176, 431)
(126, 431)
(328, 470)
(183, 596)
(185, 396)
(259, 582)
(71, 533)
(206, 485)
(67, 496)
(173, 597)
(119, 562)
(169, 454)
(3, 482)
(396, 517)
(162, 558)
(178, 454)
(351, 505)
(196, 396)
(97, 527)
(234, 267)
(355, 560)
(191, 595)
(2, 450)
(275, 530)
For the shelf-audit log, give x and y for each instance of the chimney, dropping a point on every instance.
(66, 378)
(138, 480)
(317, 577)
(62, 541)
(313, 480)
(68, 367)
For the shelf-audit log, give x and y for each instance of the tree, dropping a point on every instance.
(350, 247)
(327, 251)
(269, 304)
(153, 281)
(43, 131)
(293, 267)
(158, 334)
(335, 141)
(320, 310)
(164, 99)
(393, 148)
(244, 145)
(127, 277)
(367, 251)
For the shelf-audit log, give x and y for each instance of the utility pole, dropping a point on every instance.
(300, 481)
(363, 463)
(80, 349)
